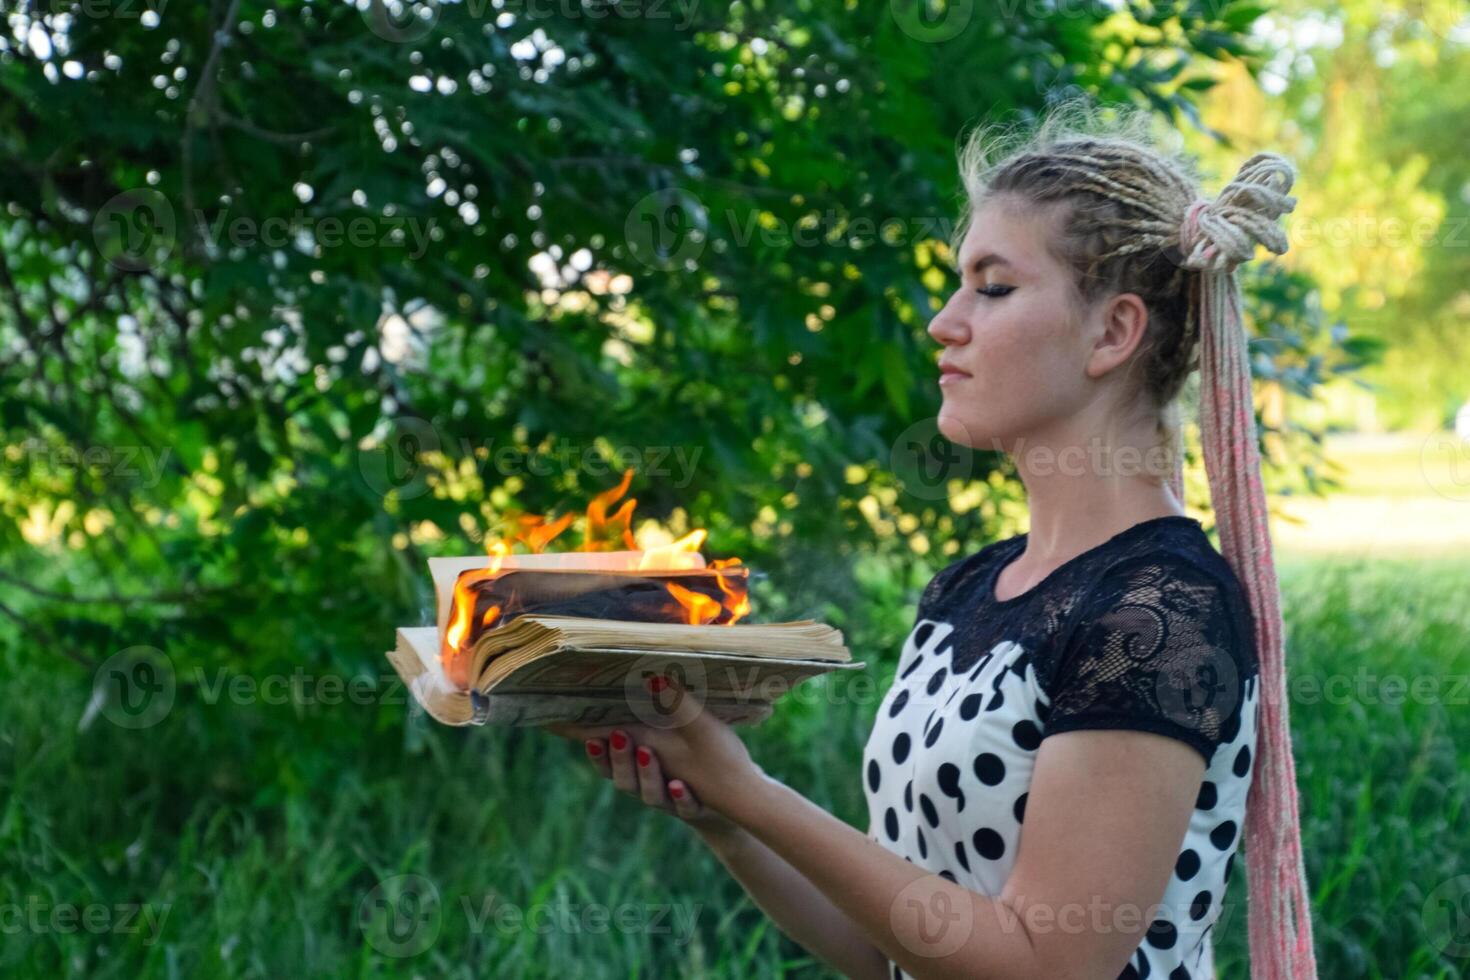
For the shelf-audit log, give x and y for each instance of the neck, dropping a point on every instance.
(1085, 483)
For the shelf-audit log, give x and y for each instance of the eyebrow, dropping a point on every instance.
(985, 261)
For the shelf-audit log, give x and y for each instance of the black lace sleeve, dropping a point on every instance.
(1159, 645)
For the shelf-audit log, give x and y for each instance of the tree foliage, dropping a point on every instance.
(293, 293)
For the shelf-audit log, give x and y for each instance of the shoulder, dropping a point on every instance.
(1161, 640)
(1174, 579)
(957, 574)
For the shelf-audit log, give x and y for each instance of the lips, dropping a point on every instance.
(948, 374)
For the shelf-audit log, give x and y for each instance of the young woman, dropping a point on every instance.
(1107, 681)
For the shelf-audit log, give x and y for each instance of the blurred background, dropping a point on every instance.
(295, 295)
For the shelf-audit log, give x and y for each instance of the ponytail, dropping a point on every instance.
(1216, 237)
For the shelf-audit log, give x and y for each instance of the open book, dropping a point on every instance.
(574, 637)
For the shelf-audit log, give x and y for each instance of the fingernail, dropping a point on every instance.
(676, 790)
(644, 756)
(619, 740)
(593, 748)
(656, 684)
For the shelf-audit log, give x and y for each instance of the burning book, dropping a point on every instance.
(529, 639)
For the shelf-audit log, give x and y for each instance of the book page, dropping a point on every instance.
(537, 635)
(745, 678)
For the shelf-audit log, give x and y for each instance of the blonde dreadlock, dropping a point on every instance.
(1131, 219)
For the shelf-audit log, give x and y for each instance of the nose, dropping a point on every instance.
(948, 327)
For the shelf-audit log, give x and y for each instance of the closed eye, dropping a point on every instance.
(994, 292)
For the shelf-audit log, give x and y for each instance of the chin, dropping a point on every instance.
(957, 430)
(973, 432)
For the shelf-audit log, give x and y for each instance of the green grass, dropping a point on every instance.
(261, 830)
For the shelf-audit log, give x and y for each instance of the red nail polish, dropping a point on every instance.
(619, 741)
(594, 749)
(676, 790)
(644, 756)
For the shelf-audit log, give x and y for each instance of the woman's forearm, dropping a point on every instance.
(875, 890)
(797, 907)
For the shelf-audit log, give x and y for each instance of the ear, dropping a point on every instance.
(1123, 320)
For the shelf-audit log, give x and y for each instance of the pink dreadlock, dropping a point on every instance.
(1217, 237)
(1131, 219)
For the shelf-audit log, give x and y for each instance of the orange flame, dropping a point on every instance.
(736, 600)
(603, 530)
(676, 554)
(698, 607)
(463, 607)
(537, 534)
(601, 533)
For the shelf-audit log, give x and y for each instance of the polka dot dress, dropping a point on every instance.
(1148, 631)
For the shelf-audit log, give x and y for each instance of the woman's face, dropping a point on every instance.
(1015, 356)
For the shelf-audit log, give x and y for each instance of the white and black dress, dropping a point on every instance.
(1148, 631)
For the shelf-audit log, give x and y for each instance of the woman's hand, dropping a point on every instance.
(636, 770)
(692, 768)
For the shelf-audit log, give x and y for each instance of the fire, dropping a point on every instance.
(737, 600)
(676, 554)
(537, 534)
(600, 528)
(602, 532)
(698, 607)
(464, 597)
